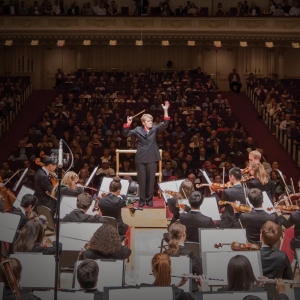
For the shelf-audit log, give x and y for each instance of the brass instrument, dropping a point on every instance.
(11, 279)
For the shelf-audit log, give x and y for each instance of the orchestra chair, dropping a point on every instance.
(164, 242)
(45, 211)
(195, 247)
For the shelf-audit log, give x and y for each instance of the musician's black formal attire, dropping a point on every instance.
(20, 212)
(77, 215)
(269, 187)
(8, 295)
(43, 185)
(97, 295)
(174, 209)
(46, 250)
(194, 220)
(146, 157)
(275, 264)
(66, 191)
(179, 293)
(123, 253)
(111, 206)
(196, 264)
(252, 222)
(294, 219)
(236, 193)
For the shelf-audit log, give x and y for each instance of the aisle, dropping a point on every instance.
(29, 114)
(247, 115)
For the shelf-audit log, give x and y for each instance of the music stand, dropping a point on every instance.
(38, 270)
(104, 188)
(112, 273)
(173, 185)
(91, 177)
(215, 265)
(20, 180)
(23, 191)
(1, 288)
(9, 224)
(297, 292)
(145, 293)
(205, 176)
(229, 295)
(180, 265)
(67, 295)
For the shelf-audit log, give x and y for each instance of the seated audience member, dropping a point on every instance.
(68, 186)
(220, 11)
(192, 11)
(31, 239)
(293, 220)
(177, 233)
(84, 202)
(26, 208)
(253, 221)
(106, 244)
(111, 205)
(194, 219)
(275, 263)
(261, 180)
(295, 10)
(113, 9)
(105, 169)
(73, 10)
(87, 276)
(161, 269)
(179, 11)
(268, 11)
(241, 278)
(167, 171)
(254, 10)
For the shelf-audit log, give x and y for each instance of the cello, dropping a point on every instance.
(8, 196)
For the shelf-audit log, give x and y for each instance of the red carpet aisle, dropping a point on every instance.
(245, 112)
(29, 114)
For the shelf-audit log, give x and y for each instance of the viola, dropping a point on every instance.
(240, 207)
(235, 246)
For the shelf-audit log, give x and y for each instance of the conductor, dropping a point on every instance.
(147, 154)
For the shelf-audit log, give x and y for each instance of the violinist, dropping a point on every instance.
(69, 186)
(43, 184)
(256, 156)
(235, 193)
(26, 208)
(111, 205)
(84, 202)
(275, 263)
(253, 221)
(194, 219)
(261, 180)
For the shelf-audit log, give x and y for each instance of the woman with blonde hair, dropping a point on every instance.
(68, 186)
(177, 234)
(161, 269)
(261, 179)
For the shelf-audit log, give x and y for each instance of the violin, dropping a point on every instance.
(240, 207)
(235, 246)
(285, 208)
(171, 193)
(221, 186)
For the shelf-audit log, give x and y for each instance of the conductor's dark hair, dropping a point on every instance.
(240, 274)
(196, 199)
(87, 274)
(28, 200)
(236, 173)
(115, 185)
(255, 197)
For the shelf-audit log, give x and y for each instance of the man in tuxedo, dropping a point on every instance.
(180, 11)
(235, 193)
(84, 202)
(254, 220)
(275, 263)
(194, 219)
(43, 185)
(87, 276)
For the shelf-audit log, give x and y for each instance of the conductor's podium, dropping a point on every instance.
(150, 217)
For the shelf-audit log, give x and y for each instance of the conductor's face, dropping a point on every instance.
(148, 123)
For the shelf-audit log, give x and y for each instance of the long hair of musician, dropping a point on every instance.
(185, 190)
(32, 233)
(161, 268)
(259, 172)
(176, 232)
(16, 268)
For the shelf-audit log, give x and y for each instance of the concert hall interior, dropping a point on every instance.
(149, 149)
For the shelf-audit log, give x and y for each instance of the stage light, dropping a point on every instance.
(295, 45)
(218, 44)
(191, 43)
(113, 42)
(269, 44)
(87, 42)
(34, 42)
(60, 43)
(139, 42)
(8, 42)
(165, 43)
(243, 44)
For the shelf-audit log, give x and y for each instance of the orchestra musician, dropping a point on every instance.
(43, 185)
(27, 205)
(275, 263)
(84, 202)
(255, 156)
(111, 205)
(147, 154)
(87, 276)
(261, 179)
(253, 221)
(69, 186)
(235, 193)
(194, 219)
(31, 239)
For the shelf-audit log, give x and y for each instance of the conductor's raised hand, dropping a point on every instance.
(166, 106)
(129, 120)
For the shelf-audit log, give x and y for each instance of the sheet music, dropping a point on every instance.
(9, 224)
(173, 185)
(16, 185)
(104, 188)
(23, 191)
(231, 296)
(205, 176)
